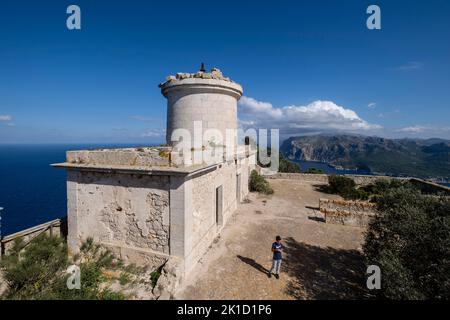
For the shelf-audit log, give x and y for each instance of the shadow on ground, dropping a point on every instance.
(317, 219)
(324, 188)
(254, 264)
(324, 273)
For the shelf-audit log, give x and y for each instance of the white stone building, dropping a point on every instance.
(154, 203)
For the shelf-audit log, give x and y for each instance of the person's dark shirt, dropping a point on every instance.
(277, 254)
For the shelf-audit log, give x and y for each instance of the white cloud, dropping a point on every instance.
(318, 115)
(412, 129)
(416, 129)
(143, 118)
(372, 105)
(412, 65)
(5, 117)
(154, 133)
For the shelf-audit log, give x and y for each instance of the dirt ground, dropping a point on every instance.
(321, 261)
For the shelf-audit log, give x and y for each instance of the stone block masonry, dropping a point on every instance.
(349, 213)
(127, 211)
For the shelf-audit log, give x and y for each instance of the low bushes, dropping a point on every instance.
(287, 166)
(259, 184)
(38, 270)
(346, 188)
(314, 171)
(410, 241)
(284, 165)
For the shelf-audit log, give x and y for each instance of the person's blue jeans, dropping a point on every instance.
(276, 265)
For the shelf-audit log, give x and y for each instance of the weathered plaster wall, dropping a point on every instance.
(127, 212)
(204, 225)
(246, 166)
(147, 218)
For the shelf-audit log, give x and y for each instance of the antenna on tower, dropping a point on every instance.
(202, 67)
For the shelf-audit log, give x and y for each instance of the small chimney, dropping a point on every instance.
(202, 67)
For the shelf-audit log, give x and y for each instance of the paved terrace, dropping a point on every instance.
(322, 261)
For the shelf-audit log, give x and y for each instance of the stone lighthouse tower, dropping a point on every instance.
(147, 204)
(202, 103)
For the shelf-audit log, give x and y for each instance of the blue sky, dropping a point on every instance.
(99, 84)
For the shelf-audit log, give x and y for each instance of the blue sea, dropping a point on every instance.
(32, 192)
(326, 168)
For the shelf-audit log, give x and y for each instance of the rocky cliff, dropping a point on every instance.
(422, 158)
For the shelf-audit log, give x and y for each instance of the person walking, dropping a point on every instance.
(277, 248)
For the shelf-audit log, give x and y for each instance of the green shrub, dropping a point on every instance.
(314, 171)
(154, 276)
(38, 270)
(340, 184)
(30, 270)
(382, 185)
(284, 165)
(94, 260)
(346, 188)
(410, 241)
(259, 184)
(288, 166)
(356, 194)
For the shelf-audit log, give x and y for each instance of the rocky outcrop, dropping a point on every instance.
(3, 283)
(169, 280)
(213, 74)
(402, 157)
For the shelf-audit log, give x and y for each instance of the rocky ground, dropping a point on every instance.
(321, 261)
(3, 285)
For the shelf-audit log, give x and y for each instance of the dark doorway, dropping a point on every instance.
(219, 204)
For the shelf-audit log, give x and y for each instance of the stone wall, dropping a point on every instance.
(428, 187)
(360, 180)
(308, 177)
(128, 213)
(145, 156)
(349, 213)
(245, 168)
(205, 99)
(205, 225)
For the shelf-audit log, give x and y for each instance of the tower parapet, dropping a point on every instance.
(206, 99)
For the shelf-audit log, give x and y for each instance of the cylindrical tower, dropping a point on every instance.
(204, 98)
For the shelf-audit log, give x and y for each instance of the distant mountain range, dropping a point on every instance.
(429, 158)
